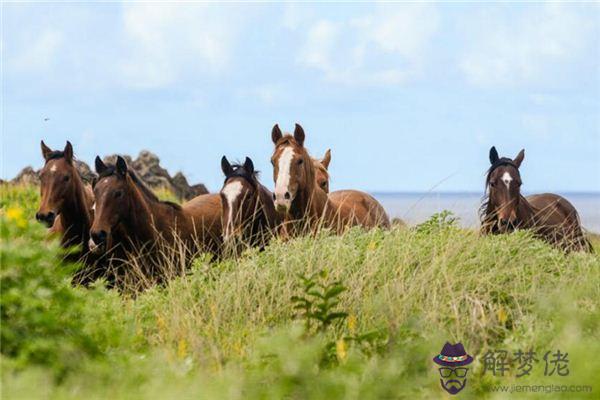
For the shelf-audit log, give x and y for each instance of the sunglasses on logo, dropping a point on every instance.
(459, 372)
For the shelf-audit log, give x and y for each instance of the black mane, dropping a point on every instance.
(146, 191)
(240, 172)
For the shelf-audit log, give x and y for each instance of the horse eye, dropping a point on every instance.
(492, 184)
(272, 162)
(118, 193)
(300, 161)
(66, 178)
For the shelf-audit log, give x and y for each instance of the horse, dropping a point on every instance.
(550, 216)
(248, 212)
(322, 171)
(66, 208)
(131, 219)
(304, 204)
(365, 208)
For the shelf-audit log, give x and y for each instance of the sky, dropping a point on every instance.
(409, 97)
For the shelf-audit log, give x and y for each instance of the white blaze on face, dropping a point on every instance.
(53, 168)
(282, 184)
(94, 206)
(507, 179)
(231, 191)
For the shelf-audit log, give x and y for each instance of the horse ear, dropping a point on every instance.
(519, 158)
(45, 150)
(226, 166)
(276, 134)
(249, 165)
(68, 152)
(326, 159)
(494, 155)
(299, 135)
(100, 166)
(121, 166)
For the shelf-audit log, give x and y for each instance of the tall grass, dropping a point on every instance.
(228, 329)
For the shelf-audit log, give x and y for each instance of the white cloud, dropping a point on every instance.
(168, 42)
(40, 52)
(268, 94)
(526, 48)
(387, 46)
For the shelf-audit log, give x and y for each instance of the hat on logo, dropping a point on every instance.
(453, 355)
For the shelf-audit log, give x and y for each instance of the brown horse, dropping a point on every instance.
(130, 218)
(322, 171)
(248, 211)
(66, 203)
(550, 216)
(305, 205)
(66, 207)
(368, 211)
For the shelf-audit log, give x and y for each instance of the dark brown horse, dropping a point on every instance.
(131, 219)
(305, 205)
(368, 211)
(66, 208)
(66, 203)
(550, 216)
(249, 215)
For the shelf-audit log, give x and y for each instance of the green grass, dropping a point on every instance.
(229, 329)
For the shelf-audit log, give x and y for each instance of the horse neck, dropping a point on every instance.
(525, 213)
(147, 219)
(267, 208)
(75, 214)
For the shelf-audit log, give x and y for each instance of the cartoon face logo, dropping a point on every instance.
(452, 361)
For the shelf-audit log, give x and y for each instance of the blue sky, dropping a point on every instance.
(409, 97)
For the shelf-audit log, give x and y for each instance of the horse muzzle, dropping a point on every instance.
(46, 218)
(98, 241)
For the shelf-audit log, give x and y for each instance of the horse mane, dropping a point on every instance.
(485, 201)
(240, 172)
(55, 155)
(146, 191)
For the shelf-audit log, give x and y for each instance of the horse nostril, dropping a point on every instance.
(38, 216)
(99, 237)
(504, 221)
(50, 217)
(287, 195)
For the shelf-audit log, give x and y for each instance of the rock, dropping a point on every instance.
(147, 167)
(87, 175)
(27, 176)
(183, 190)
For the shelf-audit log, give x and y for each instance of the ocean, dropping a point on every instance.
(414, 208)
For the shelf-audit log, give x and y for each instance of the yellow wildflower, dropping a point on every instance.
(352, 323)
(16, 214)
(181, 349)
(502, 316)
(340, 349)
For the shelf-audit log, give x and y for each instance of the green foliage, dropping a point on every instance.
(319, 301)
(41, 314)
(438, 221)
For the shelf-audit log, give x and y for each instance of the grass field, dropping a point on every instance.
(371, 312)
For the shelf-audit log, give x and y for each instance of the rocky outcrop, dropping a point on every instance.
(146, 165)
(27, 176)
